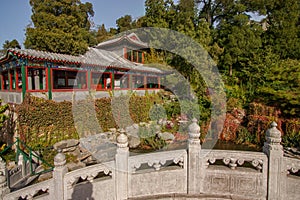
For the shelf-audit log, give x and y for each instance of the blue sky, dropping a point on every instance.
(15, 15)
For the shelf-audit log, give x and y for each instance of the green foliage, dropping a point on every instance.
(188, 108)
(102, 34)
(283, 30)
(141, 105)
(291, 130)
(244, 136)
(282, 87)
(11, 44)
(291, 140)
(157, 112)
(43, 122)
(149, 137)
(124, 23)
(172, 109)
(60, 26)
(3, 116)
(156, 13)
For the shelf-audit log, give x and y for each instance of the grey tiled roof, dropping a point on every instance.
(136, 41)
(102, 57)
(43, 55)
(93, 57)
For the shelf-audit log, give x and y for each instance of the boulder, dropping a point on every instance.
(166, 136)
(73, 166)
(134, 142)
(133, 136)
(104, 152)
(45, 176)
(132, 131)
(66, 145)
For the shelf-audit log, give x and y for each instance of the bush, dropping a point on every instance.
(149, 137)
(44, 122)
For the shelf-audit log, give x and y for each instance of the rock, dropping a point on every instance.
(11, 165)
(132, 131)
(143, 123)
(295, 150)
(134, 142)
(73, 166)
(84, 156)
(162, 122)
(45, 176)
(66, 145)
(166, 136)
(133, 136)
(136, 126)
(76, 152)
(104, 152)
(291, 152)
(114, 130)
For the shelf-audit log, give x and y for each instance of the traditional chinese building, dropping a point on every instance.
(115, 65)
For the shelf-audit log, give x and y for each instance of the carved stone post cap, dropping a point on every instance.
(194, 133)
(194, 128)
(273, 136)
(122, 140)
(273, 132)
(59, 159)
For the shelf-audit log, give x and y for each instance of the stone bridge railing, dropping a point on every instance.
(191, 173)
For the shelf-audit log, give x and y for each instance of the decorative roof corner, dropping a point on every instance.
(131, 38)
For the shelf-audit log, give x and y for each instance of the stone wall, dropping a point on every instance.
(11, 97)
(191, 173)
(16, 97)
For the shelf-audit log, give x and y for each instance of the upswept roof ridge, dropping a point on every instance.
(43, 55)
(132, 38)
(94, 57)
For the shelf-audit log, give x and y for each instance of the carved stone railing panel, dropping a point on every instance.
(292, 165)
(292, 178)
(157, 159)
(88, 173)
(240, 181)
(234, 159)
(232, 182)
(31, 191)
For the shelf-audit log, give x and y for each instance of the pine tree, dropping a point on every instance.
(11, 44)
(60, 26)
(156, 14)
(124, 23)
(102, 34)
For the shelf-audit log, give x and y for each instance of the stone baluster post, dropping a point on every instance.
(276, 172)
(121, 171)
(194, 160)
(3, 182)
(59, 172)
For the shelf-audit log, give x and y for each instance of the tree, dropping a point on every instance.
(156, 14)
(239, 36)
(60, 26)
(11, 44)
(102, 34)
(124, 23)
(283, 25)
(185, 20)
(283, 33)
(281, 87)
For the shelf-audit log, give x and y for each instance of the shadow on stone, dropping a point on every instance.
(83, 191)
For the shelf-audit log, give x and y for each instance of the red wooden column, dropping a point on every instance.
(145, 82)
